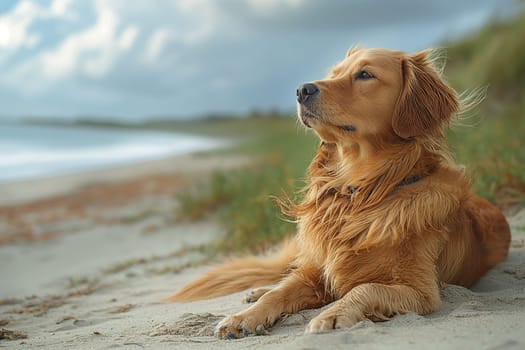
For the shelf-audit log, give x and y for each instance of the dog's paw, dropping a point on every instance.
(332, 319)
(254, 295)
(239, 326)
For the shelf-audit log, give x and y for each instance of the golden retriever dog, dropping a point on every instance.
(387, 217)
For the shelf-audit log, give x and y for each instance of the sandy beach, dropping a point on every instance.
(85, 260)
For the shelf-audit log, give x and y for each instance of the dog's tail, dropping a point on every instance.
(240, 274)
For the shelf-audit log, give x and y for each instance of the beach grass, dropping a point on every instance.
(493, 146)
(243, 197)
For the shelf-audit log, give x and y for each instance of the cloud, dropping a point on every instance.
(68, 57)
(156, 43)
(14, 26)
(189, 57)
(272, 5)
(199, 21)
(90, 52)
(128, 37)
(60, 8)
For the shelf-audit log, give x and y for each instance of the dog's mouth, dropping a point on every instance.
(307, 115)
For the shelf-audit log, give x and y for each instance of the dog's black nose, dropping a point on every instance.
(305, 91)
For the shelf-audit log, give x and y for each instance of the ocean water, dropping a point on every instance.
(33, 151)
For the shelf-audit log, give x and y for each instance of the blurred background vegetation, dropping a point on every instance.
(493, 145)
(490, 142)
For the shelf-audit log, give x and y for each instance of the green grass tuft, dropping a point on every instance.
(243, 197)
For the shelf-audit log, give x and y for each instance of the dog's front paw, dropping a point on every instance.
(332, 319)
(239, 326)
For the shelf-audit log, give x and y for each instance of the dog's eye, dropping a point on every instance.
(363, 75)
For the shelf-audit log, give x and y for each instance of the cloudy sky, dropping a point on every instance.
(143, 58)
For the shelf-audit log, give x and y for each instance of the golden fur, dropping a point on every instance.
(369, 240)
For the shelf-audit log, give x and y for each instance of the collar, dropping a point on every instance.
(409, 180)
(351, 190)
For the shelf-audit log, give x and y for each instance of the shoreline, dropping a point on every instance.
(30, 190)
(30, 152)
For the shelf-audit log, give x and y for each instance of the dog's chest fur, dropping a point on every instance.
(352, 246)
(329, 238)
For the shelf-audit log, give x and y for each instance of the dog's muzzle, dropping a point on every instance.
(305, 97)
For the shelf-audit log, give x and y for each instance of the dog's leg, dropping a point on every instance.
(375, 301)
(300, 290)
(255, 295)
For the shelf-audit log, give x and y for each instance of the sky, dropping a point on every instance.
(137, 59)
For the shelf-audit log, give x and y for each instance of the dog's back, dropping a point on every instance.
(478, 240)
(491, 229)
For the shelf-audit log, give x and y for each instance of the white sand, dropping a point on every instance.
(125, 309)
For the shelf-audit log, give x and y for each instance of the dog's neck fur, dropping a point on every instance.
(374, 173)
(326, 207)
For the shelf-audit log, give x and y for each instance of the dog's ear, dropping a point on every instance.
(425, 101)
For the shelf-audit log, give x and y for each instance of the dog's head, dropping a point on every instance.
(377, 93)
